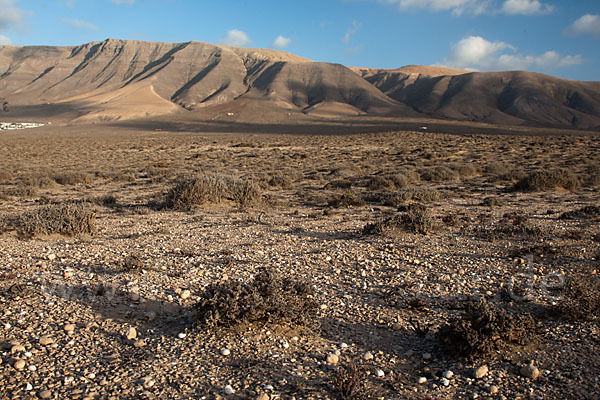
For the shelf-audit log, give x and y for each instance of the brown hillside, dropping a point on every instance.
(121, 79)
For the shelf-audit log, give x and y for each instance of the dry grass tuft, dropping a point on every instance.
(66, 219)
(539, 181)
(415, 219)
(581, 297)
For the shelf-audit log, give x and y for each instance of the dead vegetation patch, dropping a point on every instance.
(268, 298)
(486, 329)
(581, 297)
(414, 219)
(540, 181)
(65, 219)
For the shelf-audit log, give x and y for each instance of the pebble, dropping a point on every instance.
(225, 352)
(139, 343)
(52, 257)
(448, 374)
(131, 333)
(379, 373)
(28, 387)
(445, 382)
(263, 396)
(134, 296)
(17, 349)
(530, 371)
(481, 372)
(228, 390)
(368, 356)
(343, 345)
(32, 368)
(422, 380)
(269, 388)
(493, 389)
(181, 335)
(19, 364)
(46, 340)
(332, 359)
(45, 394)
(69, 328)
(185, 294)
(426, 356)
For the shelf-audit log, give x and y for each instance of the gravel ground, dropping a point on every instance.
(76, 323)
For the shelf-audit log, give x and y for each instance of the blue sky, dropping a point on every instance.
(557, 37)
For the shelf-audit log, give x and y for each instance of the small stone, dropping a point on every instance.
(269, 388)
(422, 380)
(448, 374)
(46, 340)
(493, 389)
(263, 396)
(530, 371)
(426, 356)
(445, 382)
(185, 294)
(148, 383)
(32, 368)
(45, 394)
(52, 257)
(139, 343)
(19, 364)
(181, 335)
(17, 349)
(68, 274)
(225, 352)
(134, 296)
(131, 333)
(28, 354)
(228, 390)
(332, 359)
(69, 328)
(368, 356)
(397, 326)
(344, 345)
(379, 373)
(481, 372)
(28, 387)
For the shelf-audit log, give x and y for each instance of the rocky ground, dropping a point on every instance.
(112, 313)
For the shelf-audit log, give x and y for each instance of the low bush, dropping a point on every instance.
(350, 381)
(485, 329)
(268, 298)
(346, 199)
(73, 178)
(65, 219)
(580, 298)
(539, 181)
(415, 219)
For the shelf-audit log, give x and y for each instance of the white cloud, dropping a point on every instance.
(10, 14)
(127, 2)
(589, 24)
(4, 40)
(457, 7)
(79, 24)
(351, 31)
(475, 52)
(281, 42)
(526, 7)
(235, 37)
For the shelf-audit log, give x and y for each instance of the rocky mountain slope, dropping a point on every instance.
(121, 79)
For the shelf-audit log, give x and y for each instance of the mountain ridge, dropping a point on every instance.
(118, 79)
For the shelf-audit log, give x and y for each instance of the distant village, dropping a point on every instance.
(13, 126)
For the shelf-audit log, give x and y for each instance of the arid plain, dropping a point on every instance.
(170, 262)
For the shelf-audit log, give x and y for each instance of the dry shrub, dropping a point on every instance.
(493, 202)
(485, 329)
(133, 262)
(581, 297)
(465, 169)
(588, 212)
(65, 219)
(281, 181)
(73, 178)
(269, 298)
(38, 180)
(6, 176)
(350, 382)
(189, 192)
(340, 184)
(388, 182)
(438, 173)
(245, 194)
(415, 219)
(398, 198)
(346, 199)
(592, 177)
(21, 190)
(547, 180)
